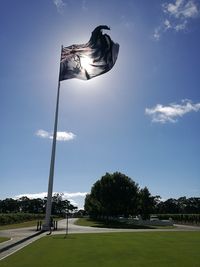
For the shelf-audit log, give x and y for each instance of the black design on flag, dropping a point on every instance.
(89, 60)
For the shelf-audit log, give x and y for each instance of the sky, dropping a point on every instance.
(142, 118)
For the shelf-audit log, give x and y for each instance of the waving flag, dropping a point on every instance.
(89, 60)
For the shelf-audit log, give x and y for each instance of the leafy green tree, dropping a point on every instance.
(169, 206)
(37, 205)
(147, 203)
(192, 205)
(24, 204)
(60, 206)
(92, 206)
(113, 195)
(9, 205)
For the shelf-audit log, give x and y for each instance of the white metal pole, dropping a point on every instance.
(47, 223)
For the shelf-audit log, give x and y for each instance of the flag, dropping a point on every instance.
(89, 60)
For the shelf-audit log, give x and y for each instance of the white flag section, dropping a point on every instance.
(89, 60)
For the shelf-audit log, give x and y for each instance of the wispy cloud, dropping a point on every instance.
(181, 9)
(59, 5)
(126, 24)
(177, 16)
(171, 112)
(84, 5)
(61, 136)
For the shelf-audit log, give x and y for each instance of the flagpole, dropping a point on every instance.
(47, 224)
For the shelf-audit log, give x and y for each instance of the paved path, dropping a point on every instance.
(17, 235)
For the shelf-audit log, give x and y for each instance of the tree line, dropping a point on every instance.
(181, 205)
(113, 195)
(36, 206)
(116, 195)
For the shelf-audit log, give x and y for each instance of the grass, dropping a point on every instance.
(119, 225)
(3, 239)
(19, 225)
(156, 249)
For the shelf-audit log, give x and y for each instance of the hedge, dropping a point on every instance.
(10, 218)
(181, 218)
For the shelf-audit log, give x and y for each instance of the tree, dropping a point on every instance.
(169, 206)
(37, 205)
(113, 195)
(192, 205)
(9, 205)
(92, 206)
(60, 206)
(181, 205)
(146, 203)
(24, 204)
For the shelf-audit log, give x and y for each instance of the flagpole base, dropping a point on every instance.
(45, 227)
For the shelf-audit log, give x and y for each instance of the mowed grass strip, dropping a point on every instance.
(111, 250)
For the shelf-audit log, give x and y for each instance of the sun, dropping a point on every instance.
(86, 63)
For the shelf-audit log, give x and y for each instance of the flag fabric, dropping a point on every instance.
(89, 60)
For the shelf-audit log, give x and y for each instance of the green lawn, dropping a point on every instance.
(156, 249)
(3, 239)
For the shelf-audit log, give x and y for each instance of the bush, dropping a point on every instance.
(181, 218)
(11, 218)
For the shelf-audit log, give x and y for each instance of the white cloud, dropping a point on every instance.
(76, 198)
(156, 34)
(172, 112)
(32, 196)
(61, 136)
(181, 9)
(59, 5)
(172, 8)
(66, 195)
(42, 133)
(167, 24)
(64, 136)
(177, 16)
(76, 194)
(180, 26)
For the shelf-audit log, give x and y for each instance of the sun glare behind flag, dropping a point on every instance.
(89, 60)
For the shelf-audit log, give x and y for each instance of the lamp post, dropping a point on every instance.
(67, 223)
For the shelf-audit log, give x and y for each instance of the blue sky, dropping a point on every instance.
(141, 118)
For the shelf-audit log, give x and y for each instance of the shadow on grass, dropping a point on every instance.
(114, 224)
